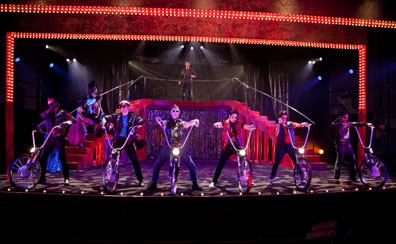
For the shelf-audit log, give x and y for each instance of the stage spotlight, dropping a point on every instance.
(202, 47)
(67, 60)
(74, 60)
(46, 46)
(192, 48)
(320, 59)
(182, 46)
(51, 65)
(321, 151)
(17, 60)
(351, 71)
(319, 77)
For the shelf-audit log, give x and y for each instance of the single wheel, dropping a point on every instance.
(245, 176)
(110, 176)
(174, 170)
(373, 173)
(23, 173)
(302, 174)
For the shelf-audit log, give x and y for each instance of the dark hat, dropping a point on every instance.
(92, 86)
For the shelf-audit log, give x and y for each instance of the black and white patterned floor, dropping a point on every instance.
(88, 181)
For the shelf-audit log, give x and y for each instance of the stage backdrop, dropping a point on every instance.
(204, 141)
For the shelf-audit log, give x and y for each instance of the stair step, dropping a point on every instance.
(74, 157)
(74, 165)
(313, 157)
(91, 138)
(88, 143)
(319, 166)
(76, 150)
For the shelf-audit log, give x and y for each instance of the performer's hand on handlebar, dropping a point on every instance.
(306, 124)
(370, 125)
(252, 127)
(66, 123)
(179, 83)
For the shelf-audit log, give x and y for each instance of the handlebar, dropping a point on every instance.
(49, 134)
(232, 143)
(371, 136)
(166, 136)
(131, 131)
(306, 138)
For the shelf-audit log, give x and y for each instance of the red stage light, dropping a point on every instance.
(195, 13)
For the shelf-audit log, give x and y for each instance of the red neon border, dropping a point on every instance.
(10, 46)
(194, 13)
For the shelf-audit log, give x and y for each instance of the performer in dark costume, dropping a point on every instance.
(341, 137)
(174, 129)
(122, 123)
(54, 116)
(186, 80)
(283, 142)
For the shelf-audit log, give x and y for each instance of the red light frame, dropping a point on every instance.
(194, 13)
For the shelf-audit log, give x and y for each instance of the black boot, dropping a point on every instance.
(152, 187)
(196, 187)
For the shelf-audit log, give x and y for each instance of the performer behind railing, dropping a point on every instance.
(186, 80)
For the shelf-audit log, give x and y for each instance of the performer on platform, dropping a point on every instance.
(234, 128)
(174, 129)
(186, 80)
(341, 138)
(283, 143)
(94, 109)
(78, 131)
(121, 124)
(54, 116)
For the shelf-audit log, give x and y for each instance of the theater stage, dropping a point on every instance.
(80, 212)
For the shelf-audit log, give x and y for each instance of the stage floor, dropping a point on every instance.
(326, 213)
(89, 181)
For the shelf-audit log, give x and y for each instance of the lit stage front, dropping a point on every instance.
(82, 212)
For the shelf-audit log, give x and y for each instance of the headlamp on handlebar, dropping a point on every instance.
(175, 152)
(114, 151)
(301, 150)
(32, 150)
(242, 153)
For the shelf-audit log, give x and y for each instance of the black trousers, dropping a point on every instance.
(59, 143)
(345, 152)
(186, 94)
(224, 156)
(164, 156)
(280, 153)
(130, 151)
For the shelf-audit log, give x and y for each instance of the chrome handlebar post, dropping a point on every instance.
(232, 143)
(306, 138)
(360, 139)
